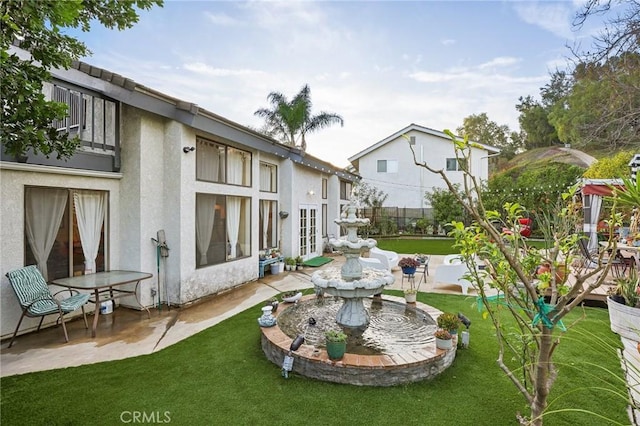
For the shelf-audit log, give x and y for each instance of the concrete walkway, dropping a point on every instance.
(128, 333)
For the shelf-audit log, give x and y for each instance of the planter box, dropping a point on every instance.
(625, 320)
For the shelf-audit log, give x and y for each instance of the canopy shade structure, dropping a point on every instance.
(592, 192)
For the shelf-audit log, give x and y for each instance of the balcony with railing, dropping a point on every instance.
(92, 118)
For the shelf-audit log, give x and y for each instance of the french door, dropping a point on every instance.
(308, 231)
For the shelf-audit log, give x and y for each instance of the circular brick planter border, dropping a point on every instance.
(363, 370)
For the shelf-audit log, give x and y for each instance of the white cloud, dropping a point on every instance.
(200, 68)
(448, 42)
(499, 62)
(553, 17)
(221, 19)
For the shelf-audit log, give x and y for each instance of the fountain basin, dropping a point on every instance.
(395, 367)
(353, 313)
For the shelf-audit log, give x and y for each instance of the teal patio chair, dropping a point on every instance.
(36, 299)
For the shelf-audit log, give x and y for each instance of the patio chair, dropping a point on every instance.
(590, 259)
(36, 299)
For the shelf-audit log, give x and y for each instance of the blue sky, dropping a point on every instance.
(381, 65)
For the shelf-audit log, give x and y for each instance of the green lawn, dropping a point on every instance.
(427, 245)
(418, 245)
(220, 376)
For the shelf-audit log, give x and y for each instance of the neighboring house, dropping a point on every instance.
(388, 165)
(151, 162)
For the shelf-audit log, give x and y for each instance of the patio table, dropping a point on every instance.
(106, 286)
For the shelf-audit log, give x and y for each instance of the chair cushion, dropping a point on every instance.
(32, 292)
(28, 284)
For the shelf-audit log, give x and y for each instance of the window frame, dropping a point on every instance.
(219, 227)
(73, 259)
(273, 174)
(224, 166)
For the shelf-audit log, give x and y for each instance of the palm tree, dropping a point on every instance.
(287, 120)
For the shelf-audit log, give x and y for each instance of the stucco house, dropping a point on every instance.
(388, 164)
(221, 192)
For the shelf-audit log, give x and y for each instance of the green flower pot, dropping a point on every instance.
(336, 350)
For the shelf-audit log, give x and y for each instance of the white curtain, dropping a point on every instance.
(233, 223)
(265, 177)
(274, 224)
(208, 162)
(205, 217)
(90, 209)
(596, 203)
(265, 207)
(235, 169)
(44, 210)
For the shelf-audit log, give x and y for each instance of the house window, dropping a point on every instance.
(65, 231)
(387, 166)
(453, 164)
(324, 188)
(223, 164)
(345, 190)
(268, 177)
(324, 219)
(223, 228)
(268, 225)
(76, 109)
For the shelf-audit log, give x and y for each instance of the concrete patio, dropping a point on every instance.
(128, 333)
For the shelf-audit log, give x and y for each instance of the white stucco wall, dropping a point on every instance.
(156, 189)
(13, 180)
(406, 188)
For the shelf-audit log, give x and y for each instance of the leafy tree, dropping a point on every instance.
(38, 27)
(288, 120)
(603, 106)
(371, 197)
(534, 121)
(525, 352)
(445, 205)
(613, 167)
(480, 129)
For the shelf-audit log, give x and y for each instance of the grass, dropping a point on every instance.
(426, 245)
(220, 376)
(418, 245)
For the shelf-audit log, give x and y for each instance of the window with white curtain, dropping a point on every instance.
(216, 162)
(268, 225)
(223, 228)
(65, 230)
(268, 177)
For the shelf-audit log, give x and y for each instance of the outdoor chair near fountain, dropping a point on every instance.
(453, 271)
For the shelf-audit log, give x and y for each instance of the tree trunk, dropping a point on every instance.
(542, 378)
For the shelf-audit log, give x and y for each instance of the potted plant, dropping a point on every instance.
(410, 294)
(290, 263)
(448, 321)
(443, 339)
(336, 342)
(408, 265)
(299, 262)
(624, 306)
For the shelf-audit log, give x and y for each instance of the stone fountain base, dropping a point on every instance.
(423, 363)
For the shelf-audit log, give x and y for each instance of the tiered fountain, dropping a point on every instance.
(389, 342)
(351, 282)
